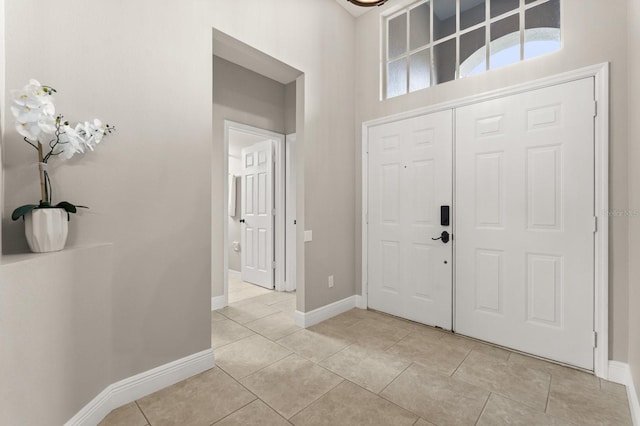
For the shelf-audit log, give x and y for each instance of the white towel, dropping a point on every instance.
(232, 195)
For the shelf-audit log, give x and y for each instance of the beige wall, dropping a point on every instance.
(56, 333)
(146, 69)
(245, 97)
(582, 47)
(634, 189)
(290, 108)
(153, 185)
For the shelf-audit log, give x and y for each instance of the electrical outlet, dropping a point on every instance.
(330, 281)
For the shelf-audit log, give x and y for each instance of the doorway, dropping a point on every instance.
(527, 174)
(256, 232)
(253, 89)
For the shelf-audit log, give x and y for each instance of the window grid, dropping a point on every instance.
(520, 11)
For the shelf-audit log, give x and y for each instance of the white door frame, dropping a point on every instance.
(279, 238)
(600, 73)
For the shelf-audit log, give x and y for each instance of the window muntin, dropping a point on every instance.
(435, 41)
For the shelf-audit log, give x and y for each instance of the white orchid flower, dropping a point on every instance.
(47, 124)
(34, 111)
(35, 96)
(24, 114)
(70, 143)
(29, 130)
(100, 130)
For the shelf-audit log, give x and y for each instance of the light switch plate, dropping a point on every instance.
(308, 236)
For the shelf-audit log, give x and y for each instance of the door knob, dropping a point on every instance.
(444, 237)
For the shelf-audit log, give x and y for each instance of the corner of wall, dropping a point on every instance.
(633, 112)
(2, 110)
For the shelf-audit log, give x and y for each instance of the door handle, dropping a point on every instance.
(241, 220)
(444, 237)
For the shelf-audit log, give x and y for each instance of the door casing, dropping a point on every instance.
(600, 73)
(279, 234)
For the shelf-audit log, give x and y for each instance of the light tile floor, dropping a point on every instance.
(367, 368)
(240, 290)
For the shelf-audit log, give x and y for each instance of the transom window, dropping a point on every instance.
(435, 41)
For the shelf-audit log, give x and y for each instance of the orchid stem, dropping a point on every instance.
(43, 190)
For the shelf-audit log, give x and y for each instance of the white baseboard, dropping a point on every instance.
(619, 372)
(140, 385)
(361, 302)
(307, 319)
(233, 272)
(218, 302)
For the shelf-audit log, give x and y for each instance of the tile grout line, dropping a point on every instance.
(318, 398)
(460, 365)
(235, 341)
(141, 411)
(484, 408)
(253, 320)
(385, 399)
(304, 357)
(546, 406)
(233, 412)
(249, 390)
(262, 368)
(394, 379)
(266, 366)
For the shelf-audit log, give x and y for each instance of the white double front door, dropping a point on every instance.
(522, 221)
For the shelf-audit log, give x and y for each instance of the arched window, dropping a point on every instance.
(434, 41)
(506, 50)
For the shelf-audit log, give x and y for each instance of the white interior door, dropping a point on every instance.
(525, 222)
(257, 214)
(410, 178)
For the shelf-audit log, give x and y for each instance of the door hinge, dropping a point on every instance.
(595, 339)
(273, 264)
(595, 224)
(273, 212)
(595, 108)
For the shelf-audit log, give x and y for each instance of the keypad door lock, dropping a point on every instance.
(444, 237)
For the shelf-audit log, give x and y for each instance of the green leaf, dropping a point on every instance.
(22, 210)
(69, 208)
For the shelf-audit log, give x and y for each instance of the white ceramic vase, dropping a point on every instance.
(46, 229)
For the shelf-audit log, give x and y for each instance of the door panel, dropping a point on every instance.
(257, 213)
(410, 177)
(524, 222)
